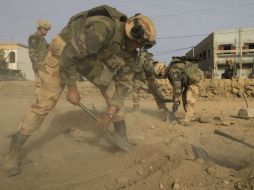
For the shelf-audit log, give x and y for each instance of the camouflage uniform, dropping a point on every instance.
(38, 48)
(145, 79)
(184, 76)
(139, 81)
(230, 72)
(92, 46)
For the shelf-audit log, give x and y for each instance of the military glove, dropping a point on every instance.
(73, 94)
(106, 118)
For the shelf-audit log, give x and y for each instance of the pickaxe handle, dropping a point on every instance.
(88, 111)
(219, 132)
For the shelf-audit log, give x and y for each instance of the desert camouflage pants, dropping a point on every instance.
(137, 85)
(189, 98)
(48, 89)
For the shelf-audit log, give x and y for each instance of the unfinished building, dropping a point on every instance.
(234, 44)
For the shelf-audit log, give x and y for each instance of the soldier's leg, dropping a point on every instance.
(162, 108)
(48, 92)
(119, 119)
(135, 94)
(191, 95)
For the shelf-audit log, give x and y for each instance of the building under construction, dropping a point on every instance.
(234, 44)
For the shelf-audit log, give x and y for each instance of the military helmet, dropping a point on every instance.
(158, 67)
(140, 28)
(43, 23)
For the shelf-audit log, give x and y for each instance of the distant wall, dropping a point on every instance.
(227, 87)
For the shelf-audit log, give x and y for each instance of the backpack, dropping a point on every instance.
(193, 73)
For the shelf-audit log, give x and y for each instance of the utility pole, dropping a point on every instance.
(240, 53)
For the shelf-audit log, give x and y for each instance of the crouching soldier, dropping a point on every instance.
(184, 76)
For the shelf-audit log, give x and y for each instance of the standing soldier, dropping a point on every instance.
(38, 46)
(184, 75)
(230, 71)
(100, 44)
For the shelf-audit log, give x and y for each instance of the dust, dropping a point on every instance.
(69, 152)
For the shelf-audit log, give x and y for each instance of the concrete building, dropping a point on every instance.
(17, 58)
(234, 44)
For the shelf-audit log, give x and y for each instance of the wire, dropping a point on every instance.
(185, 36)
(205, 11)
(197, 35)
(171, 51)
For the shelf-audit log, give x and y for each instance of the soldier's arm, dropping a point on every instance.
(94, 39)
(149, 70)
(123, 86)
(34, 52)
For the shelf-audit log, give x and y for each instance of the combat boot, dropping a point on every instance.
(11, 162)
(120, 128)
(163, 114)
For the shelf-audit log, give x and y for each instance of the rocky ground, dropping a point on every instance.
(69, 152)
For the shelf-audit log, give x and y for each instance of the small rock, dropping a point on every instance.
(122, 180)
(204, 119)
(161, 186)
(151, 126)
(235, 91)
(217, 118)
(226, 182)
(232, 122)
(141, 173)
(176, 186)
(211, 170)
(225, 123)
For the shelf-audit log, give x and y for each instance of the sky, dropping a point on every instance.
(180, 24)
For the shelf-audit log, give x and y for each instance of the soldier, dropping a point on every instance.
(230, 71)
(38, 45)
(100, 44)
(184, 75)
(146, 77)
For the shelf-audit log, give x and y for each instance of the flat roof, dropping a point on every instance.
(10, 45)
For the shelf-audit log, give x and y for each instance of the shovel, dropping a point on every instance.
(113, 137)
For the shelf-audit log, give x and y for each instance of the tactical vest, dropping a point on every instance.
(77, 22)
